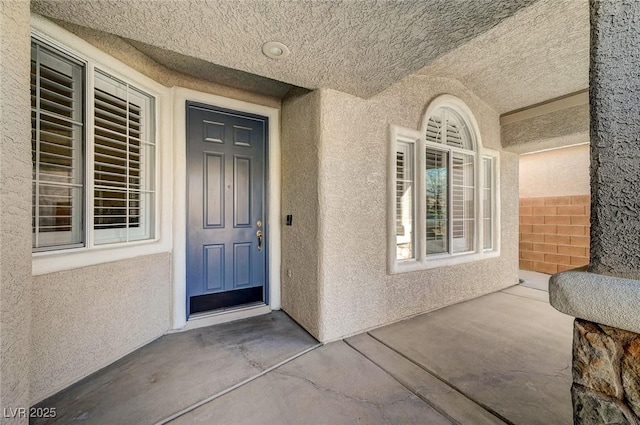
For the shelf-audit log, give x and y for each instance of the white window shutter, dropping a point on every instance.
(124, 153)
(57, 149)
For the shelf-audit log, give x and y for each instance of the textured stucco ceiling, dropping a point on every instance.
(206, 70)
(540, 53)
(358, 47)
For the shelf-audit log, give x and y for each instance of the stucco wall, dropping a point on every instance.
(15, 208)
(87, 318)
(300, 243)
(356, 291)
(558, 172)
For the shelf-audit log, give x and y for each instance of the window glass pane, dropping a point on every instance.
(462, 203)
(57, 141)
(487, 203)
(436, 186)
(124, 162)
(404, 201)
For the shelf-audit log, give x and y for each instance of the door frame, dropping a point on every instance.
(272, 197)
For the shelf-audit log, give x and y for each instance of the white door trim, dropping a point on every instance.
(179, 281)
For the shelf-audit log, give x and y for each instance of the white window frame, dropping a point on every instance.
(421, 260)
(70, 258)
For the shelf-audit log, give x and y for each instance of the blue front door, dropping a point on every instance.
(226, 221)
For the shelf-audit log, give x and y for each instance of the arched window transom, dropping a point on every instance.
(448, 127)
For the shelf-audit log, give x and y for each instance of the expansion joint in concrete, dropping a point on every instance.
(439, 378)
(234, 387)
(420, 396)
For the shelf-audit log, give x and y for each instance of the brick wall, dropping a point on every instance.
(554, 233)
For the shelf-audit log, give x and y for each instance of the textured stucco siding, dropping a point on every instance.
(15, 207)
(125, 52)
(559, 172)
(615, 135)
(565, 127)
(300, 243)
(357, 293)
(87, 318)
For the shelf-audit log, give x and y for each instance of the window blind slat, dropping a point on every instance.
(104, 124)
(113, 99)
(54, 87)
(67, 98)
(102, 158)
(56, 74)
(107, 107)
(105, 142)
(46, 104)
(66, 141)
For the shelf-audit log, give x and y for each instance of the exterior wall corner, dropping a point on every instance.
(15, 208)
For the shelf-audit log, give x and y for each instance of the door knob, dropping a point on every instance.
(259, 235)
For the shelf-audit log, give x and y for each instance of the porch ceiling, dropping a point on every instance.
(511, 53)
(540, 54)
(358, 47)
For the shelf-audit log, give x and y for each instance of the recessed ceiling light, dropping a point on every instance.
(275, 50)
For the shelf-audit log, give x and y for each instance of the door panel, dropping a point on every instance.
(242, 192)
(241, 264)
(214, 269)
(214, 190)
(226, 165)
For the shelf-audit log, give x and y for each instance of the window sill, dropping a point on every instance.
(69, 259)
(405, 266)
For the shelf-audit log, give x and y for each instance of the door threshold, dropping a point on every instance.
(216, 317)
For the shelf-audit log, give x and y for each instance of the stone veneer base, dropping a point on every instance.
(606, 375)
(606, 345)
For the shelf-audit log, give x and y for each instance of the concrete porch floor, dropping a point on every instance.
(501, 358)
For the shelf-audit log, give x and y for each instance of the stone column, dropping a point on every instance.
(15, 211)
(606, 360)
(615, 138)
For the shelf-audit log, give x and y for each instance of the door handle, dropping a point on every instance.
(259, 235)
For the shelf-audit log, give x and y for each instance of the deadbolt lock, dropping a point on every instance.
(259, 223)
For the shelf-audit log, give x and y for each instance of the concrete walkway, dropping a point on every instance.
(500, 359)
(178, 370)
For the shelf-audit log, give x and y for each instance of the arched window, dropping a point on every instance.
(450, 214)
(450, 182)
